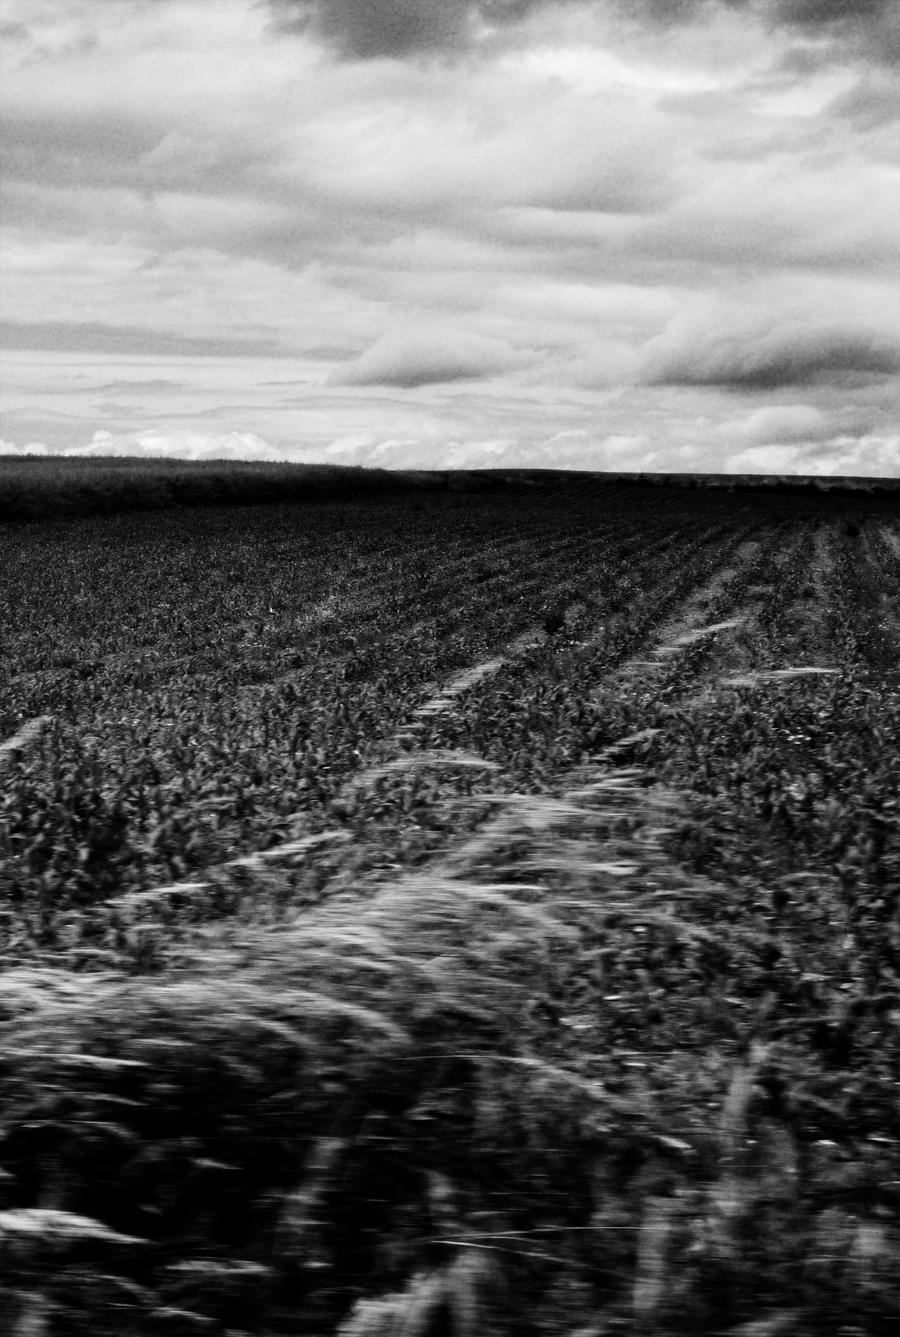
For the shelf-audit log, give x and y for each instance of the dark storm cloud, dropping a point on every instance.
(372, 29)
(766, 356)
(822, 13)
(369, 29)
(872, 27)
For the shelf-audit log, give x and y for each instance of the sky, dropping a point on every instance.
(656, 235)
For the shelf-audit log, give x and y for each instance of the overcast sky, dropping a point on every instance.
(610, 234)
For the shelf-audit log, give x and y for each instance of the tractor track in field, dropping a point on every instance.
(883, 561)
(891, 539)
(692, 622)
(571, 616)
(769, 643)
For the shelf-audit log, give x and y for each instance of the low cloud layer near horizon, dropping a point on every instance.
(446, 233)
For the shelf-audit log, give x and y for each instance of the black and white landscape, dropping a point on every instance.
(450, 668)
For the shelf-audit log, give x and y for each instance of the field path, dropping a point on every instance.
(891, 538)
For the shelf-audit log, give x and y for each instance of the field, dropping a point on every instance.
(452, 913)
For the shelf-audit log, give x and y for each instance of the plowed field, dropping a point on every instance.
(210, 684)
(602, 782)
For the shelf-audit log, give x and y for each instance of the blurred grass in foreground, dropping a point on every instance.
(553, 1085)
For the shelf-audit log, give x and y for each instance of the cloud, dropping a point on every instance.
(76, 337)
(378, 29)
(428, 158)
(869, 28)
(843, 456)
(374, 29)
(179, 445)
(411, 358)
(601, 363)
(78, 150)
(35, 448)
(711, 345)
(155, 385)
(785, 422)
(801, 439)
(781, 209)
(870, 104)
(872, 27)
(575, 449)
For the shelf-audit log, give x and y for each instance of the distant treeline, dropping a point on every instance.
(43, 487)
(790, 483)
